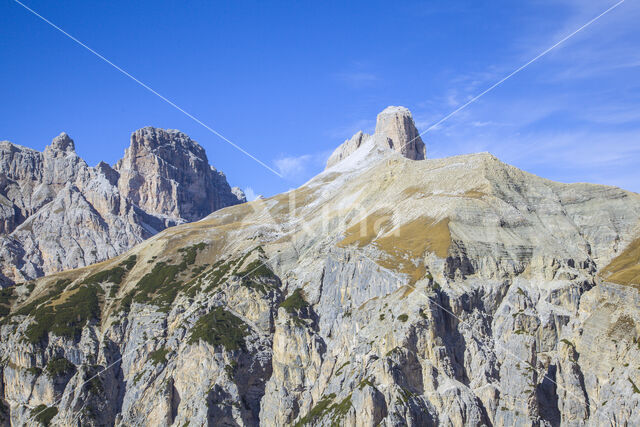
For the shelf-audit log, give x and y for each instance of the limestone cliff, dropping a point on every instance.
(59, 213)
(395, 130)
(385, 291)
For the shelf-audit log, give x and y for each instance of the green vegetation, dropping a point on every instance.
(189, 253)
(405, 395)
(6, 296)
(65, 312)
(129, 263)
(633, 386)
(34, 370)
(364, 382)
(44, 414)
(294, 302)
(258, 276)
(137, 377)
(403, 318)
(339, 371)
(567, 342)
(230, 369)
(317, 412)
(340, 410)
(66, 316)
(58, 367)
(159, 356)
(219, 327)
(161, 286)
(112, 275)
(218, 272)
(95, 386)
(393, 350)
(325, 409)
(56, 290)
(198, 269)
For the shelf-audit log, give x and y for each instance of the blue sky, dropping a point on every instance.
(290, 81)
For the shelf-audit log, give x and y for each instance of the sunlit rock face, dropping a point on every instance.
(395, 130)
(58, 213)
(385, 291)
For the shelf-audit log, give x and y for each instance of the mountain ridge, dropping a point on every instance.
(56, 190)
(384, 291)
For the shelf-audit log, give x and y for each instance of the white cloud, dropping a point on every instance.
(357, 78)
(302, 168)
(250, 194)
(293, 167)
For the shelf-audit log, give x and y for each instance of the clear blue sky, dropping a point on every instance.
(290, 81)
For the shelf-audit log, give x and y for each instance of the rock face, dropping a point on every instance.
(165, 173)
(395, 131)
(58, 213)
(457, 291)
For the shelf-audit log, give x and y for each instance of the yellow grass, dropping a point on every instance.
(404, 247)
(364, 232)
(625, 268)
(289, 202)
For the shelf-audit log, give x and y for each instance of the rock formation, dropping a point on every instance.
(395, 131)
(58, 213)
(387, 291)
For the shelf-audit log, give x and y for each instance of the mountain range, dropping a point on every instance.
(391, 289)
(58, 213)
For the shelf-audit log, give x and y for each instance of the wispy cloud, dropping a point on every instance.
(292, 167)
(303, 167)
(250, 194)
(357, 79)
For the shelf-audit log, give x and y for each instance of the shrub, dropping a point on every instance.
(159, 356)
(219, 327)
(294, 302)
(67, 318)
(44, 414)
(58, 367)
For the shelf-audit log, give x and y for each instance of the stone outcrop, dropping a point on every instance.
(457, 292)
(59, 213)
(395, 130)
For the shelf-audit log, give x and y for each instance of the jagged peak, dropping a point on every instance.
(61, 144)
(395, 130)
(153, 138)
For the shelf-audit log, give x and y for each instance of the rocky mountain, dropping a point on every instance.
(57, 213)
(395, 130)
(385, 291)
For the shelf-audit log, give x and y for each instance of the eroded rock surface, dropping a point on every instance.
(458, 291)
(395, 130)
(59, 213)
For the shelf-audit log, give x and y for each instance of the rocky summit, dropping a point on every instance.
(385, 291)
(58, 213)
